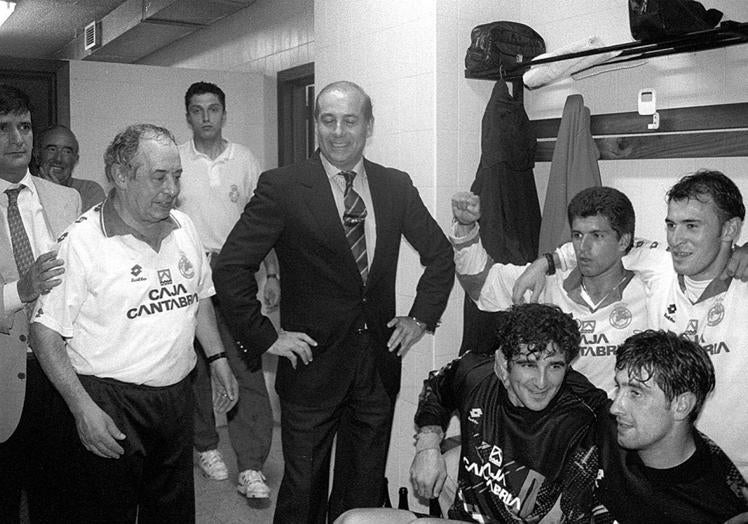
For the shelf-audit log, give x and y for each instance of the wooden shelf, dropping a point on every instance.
(728, 33)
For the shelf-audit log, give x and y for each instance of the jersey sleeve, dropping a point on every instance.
(487, 283)
(60, 307)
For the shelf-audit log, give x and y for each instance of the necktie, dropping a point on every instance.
(353, 222)
(18, 238)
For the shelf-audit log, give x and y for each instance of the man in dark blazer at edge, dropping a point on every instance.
(340, 337)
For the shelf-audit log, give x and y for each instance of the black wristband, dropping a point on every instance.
(551, 264)
(215, 357)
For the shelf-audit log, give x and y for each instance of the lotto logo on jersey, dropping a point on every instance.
(164, 277)
(475, 414)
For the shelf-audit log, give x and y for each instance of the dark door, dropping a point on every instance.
(295, 120)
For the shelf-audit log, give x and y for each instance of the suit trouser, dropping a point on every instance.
(153, 480)
(250, 421)
(31, 458)
(362, 421)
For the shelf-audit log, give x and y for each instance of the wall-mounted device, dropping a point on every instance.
(648, 106)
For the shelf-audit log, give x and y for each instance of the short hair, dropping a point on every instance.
(706, 183)
(201, 88)
(676, 364)
(125, 145)
(537, 325)
(345, 85)
(40, 137)
(13, 100)
(607, 202)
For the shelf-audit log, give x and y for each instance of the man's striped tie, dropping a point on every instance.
(19, 240)
(353, 221)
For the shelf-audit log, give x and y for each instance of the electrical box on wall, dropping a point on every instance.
(92, 36)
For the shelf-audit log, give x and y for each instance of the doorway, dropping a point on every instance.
(295, 119)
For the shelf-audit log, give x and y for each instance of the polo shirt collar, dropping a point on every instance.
(225, 156)
(573, 287)
(714, 288)
(113, 225)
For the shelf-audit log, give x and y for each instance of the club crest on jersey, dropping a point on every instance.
(620, 317)
(234, 193)
(185, 267)
(715, 315)
(164, 277)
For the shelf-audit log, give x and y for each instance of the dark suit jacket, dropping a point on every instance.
(322, 294)
(62, 206)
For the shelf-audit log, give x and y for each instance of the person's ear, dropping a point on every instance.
(683, 406)
(624, 241)
(501, 368)
(120, 175)
(731, 230)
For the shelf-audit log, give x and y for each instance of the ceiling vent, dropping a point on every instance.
(92, 36)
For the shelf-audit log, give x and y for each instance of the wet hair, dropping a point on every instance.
(40, 137)
(347, 86)
(706, 184)
(202, 88)
(676, 364)
(537, 325)
(607, 202)
(125, 145)
(13, 100)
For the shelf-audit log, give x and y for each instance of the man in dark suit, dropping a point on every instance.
(336, 222)
(33, 212)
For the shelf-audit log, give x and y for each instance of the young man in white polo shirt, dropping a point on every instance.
(605, 298)
(218, 179)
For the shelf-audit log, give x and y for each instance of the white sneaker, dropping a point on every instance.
(252, 484)
(212, 464)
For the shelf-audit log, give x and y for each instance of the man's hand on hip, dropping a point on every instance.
(294, 346)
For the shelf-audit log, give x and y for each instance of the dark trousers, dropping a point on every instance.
(362, 422)
(31, 459)
(153, 480)
(250, 422)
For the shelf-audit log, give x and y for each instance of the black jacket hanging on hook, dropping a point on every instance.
(510, 213)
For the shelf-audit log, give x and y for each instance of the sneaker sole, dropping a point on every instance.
(251, 495)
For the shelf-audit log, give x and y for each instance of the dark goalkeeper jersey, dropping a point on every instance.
(516, 465)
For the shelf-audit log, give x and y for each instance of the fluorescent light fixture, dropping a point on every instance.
(6, 9)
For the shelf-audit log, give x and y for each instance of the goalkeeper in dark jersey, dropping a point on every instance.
(528, 450)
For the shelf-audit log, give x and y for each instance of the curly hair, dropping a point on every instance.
(705, 184)
(536, 326)
(125, 145)
(676, 364)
